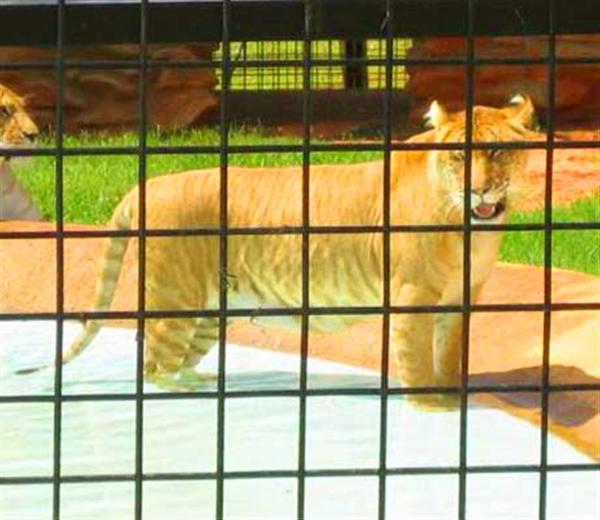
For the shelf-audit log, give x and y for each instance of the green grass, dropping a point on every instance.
(578, 250)
(94, 184)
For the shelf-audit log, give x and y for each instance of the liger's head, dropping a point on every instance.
(16, 127)
(491, 168)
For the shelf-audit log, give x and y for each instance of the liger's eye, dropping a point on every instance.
(458, 155)
(7, 111)
(495, 153)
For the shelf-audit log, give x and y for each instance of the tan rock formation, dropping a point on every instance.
(107, 99)
(577, 85)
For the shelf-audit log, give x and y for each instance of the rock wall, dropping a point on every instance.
(577, 85)
(108, 99)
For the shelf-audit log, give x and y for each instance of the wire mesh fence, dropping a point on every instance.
(310, 73)
(341, 73)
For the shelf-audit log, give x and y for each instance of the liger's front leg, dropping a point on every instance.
(448, 347)
(412, 345)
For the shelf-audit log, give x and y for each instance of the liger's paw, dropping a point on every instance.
(186, 380)
(435, 402)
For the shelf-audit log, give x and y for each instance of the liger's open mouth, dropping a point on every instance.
(487, 210)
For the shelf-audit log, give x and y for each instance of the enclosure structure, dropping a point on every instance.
(349, 76)
(63, 22)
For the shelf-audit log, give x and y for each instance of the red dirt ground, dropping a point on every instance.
(576, 171)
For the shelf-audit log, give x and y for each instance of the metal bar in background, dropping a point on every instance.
(294, 230)
(274, 311)
(313, 311)
(295, 148)
(341, 391)
(386, 259)
(141, 258)
(547, 319)
(184, 21)
(469, 14)
(297, 62)
(226, 17)
(315, 473)
(307, 71)
(60, 258)
(355, 74)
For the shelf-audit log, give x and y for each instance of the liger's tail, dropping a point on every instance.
(112, 262)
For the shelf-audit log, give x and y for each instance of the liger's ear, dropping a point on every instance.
(521, 110)
(436, 116)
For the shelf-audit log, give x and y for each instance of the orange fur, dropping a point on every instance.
(345, 269)
(16, 129)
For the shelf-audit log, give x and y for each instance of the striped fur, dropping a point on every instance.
(345, 269)
(16, 129)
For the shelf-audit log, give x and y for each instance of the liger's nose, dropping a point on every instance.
(481, 191)
(31, 136)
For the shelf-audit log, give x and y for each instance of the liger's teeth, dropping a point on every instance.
(485, 210)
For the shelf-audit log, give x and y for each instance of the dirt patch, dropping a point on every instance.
(576, 172)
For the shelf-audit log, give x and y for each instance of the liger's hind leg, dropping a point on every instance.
(205, 336)
(173, 348)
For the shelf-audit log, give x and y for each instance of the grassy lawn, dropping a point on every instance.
(578, 250)
(94, 184)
